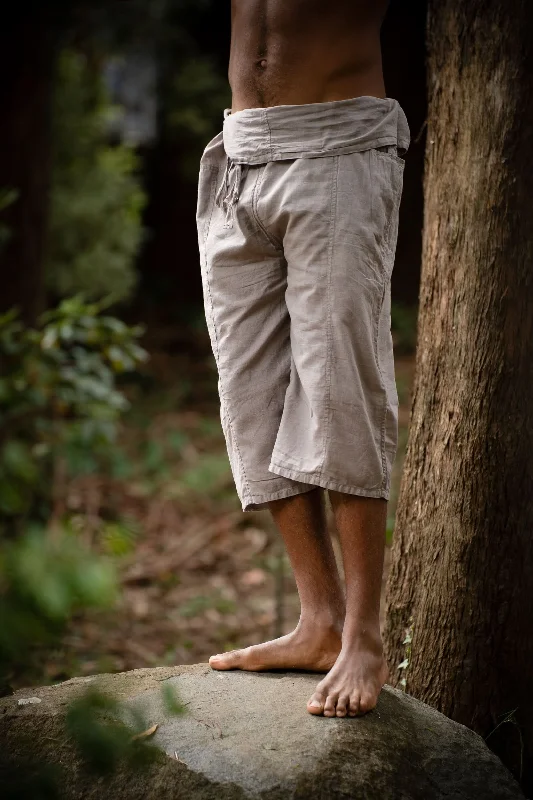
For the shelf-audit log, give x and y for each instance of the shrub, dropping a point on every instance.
(58, 393)
(96, 199)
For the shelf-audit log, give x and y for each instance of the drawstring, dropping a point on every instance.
(228, 194)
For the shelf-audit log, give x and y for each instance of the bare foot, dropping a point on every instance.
(353, 684)
(308, 647)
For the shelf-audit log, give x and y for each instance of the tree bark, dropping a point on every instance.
(26, 68)
(462, 573)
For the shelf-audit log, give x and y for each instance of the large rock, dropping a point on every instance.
(248, 735)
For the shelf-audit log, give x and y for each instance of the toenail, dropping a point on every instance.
(315, 704)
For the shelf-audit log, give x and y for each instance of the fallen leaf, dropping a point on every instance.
(146, 734)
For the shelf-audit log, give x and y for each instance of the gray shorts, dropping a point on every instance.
(297, 225)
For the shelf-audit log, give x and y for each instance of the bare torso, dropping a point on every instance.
(304, 51)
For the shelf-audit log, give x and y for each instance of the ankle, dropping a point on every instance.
(324, 620)
(366, 636)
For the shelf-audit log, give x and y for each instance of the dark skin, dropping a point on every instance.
(286, 52)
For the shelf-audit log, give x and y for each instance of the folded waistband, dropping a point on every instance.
(277, 133)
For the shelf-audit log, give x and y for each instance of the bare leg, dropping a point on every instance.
(315, 643)
(354, 683)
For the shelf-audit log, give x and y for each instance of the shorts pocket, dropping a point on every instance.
(207, 184)
(387, 184)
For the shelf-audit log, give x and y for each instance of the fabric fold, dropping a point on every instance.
(314, 130)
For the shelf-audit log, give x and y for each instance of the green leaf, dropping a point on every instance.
(49, 339)
(118, 538)
(171, 700)
(12, 498)
(18, 461)
(8, 197)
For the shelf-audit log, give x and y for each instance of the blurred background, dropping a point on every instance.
(122, 543)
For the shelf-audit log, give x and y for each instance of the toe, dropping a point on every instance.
(226, 660)
(342, 705)
(316, 703)
(330, 706)
(353, 708)
(367, 703)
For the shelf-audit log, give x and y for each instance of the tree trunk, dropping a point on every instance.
(26, 67)
(462, 572)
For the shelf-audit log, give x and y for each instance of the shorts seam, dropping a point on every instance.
(386, 251)
(317, 479)
(329, 324)
(290, 491)
(247, 491)
(396, 159)
(269, 134)
(281, 460)
(282, 154)
(385, 258)
(377, 319)
(212, 192)
(222, 393)
(255, 194)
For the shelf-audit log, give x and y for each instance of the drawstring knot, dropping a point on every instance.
(227, 196)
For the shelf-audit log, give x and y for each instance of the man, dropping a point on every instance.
(297, 223)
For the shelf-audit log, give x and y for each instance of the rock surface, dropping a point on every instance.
(248, 735)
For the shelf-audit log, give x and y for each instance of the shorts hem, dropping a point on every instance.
(259, 504)
(316, 479)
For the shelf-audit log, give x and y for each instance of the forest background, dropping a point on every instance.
(122, 543)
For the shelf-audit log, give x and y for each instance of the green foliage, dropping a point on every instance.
(96, 199)
(118, 537)
(172, 704)
(44, 580)
(197, 97)
(404, 325)
(108, 733)
(209, 474)
(58, 400)
(201, 603)
(107, 736)
(103, 732)
(389, 531)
